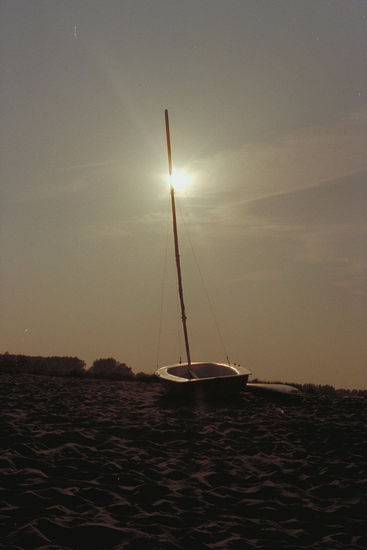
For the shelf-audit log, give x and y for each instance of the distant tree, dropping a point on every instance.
(51, 366)
(110, 368)
(145, 377)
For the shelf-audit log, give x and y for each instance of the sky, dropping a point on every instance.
(268, 111)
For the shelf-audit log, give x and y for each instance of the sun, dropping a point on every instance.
(180, 179)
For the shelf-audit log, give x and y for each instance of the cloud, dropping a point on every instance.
(317, 223)
(66, 181)
(335, 201)
(306, 158)
(110, 230)
(321, 226)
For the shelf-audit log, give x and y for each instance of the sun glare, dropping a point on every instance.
(180, 179)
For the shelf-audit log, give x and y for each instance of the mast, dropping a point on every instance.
(177, 252)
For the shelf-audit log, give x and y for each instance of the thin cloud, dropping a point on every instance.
(107, 230)
(300, 160)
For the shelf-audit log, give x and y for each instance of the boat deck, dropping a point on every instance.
(202, 370)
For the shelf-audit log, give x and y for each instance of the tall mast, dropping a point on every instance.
(177, 252)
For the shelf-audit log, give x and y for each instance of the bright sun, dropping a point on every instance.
(180, 179)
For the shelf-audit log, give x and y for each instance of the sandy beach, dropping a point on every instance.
(102, 464)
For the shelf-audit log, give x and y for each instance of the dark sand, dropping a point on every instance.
(102, 464)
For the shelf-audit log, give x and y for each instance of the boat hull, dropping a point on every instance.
(203, 378)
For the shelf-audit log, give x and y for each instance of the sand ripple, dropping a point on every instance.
(98, 465)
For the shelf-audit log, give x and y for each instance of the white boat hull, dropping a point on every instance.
(283, 389)
(203, 378)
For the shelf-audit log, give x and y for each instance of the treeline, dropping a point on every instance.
(108, 368)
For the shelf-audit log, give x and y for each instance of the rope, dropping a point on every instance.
(178, 327)
(162, 300)
(163, 281)
(216, 324)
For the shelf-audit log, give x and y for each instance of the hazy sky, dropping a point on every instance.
(268, 109)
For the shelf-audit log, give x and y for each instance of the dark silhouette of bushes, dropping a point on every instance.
(52, 366)
(145, 377)
(110, 368)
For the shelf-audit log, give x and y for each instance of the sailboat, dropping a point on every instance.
(193, 376)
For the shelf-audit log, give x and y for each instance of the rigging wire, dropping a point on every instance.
(163, 281)
(211, 307)
(162, 297)
(178, 326)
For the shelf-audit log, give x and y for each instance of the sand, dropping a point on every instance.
(102, 464)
